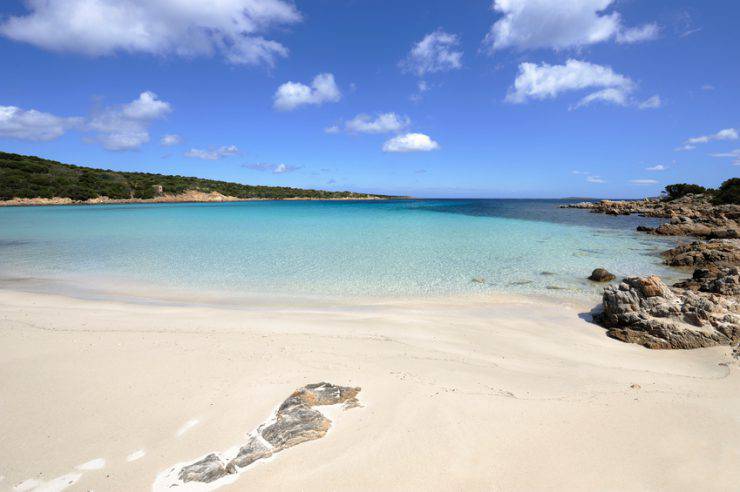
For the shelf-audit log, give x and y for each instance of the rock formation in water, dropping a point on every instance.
(716, 252)
(601, 275)
(691, 215)
(698, 312)
(295, 421)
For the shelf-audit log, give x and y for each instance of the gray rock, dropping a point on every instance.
(254, 450)
(296, 421)
(717, 252)
(721, 281)
(647, 312)
(295, 424)
(206, 470)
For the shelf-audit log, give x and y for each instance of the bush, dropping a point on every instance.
(145, 193)
(81, 193)
(728, 192)
(682, 189)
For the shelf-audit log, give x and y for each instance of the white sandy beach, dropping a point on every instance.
(507, 394)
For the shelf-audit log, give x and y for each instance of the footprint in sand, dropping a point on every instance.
(135, 455)
(95, 464)
(187, 426)
(55, 485)
(61, 482)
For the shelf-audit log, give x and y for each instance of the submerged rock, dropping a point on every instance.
(601, 275)
(646, 311)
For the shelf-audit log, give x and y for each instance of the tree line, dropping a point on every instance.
(728, 191)
(26, 176)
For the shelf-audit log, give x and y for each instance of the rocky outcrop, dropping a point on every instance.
(708, 229)
(717, 252)
(691, 215)
(712, 280)
(295, 421)
(617, 207)
(644, 310)
(698, 312)
(254, 450)
(208, 469)
(601, 275)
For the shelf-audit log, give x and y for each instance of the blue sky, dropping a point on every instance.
(513, 98)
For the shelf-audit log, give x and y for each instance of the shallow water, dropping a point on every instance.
(405, 248)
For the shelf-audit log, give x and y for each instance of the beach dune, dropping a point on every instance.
(495, 394)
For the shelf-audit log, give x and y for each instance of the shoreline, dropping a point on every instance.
(700, 311)
(184, 198)
(454, 395)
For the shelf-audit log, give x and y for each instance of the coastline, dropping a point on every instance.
(453, 395)
(187, 197)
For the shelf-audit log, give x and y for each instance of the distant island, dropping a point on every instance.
(31, 180)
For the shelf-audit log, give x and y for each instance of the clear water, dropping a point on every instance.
(403, 248)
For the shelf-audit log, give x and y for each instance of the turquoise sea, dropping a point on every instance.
(404, 248)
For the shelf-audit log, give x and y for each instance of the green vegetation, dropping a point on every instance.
(728, 192)
(682, 189)
(23, 176)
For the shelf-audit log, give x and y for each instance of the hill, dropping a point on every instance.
(25, 176)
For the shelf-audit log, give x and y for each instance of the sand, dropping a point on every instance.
(502, 394)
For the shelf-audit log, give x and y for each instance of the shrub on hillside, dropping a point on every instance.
(728, 192)
(678, 190)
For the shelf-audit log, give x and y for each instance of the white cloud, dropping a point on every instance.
(170, 140)
(530, 24)
(595, 179)
(323, 89)
(332, 129)
(726, 134)
(381, 123)
(32, 124)
(646, 32)
(611, 95)
(643, 181)
(580, 172)
(653, 102)
(125, 127)
(422, 86)
(707, 87)
(548, 81)
(657, 167)
(734, 155)
(213, 154)
(410, 142)
(274, 168)
(231, 28)
(436, 52)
